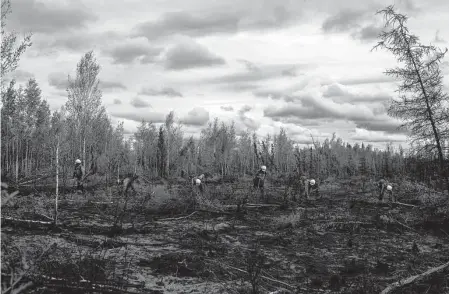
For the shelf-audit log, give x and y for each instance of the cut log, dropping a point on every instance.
(396, 285)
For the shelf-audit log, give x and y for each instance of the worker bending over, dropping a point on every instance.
(128, 183)
(383, 186)
(310, 186)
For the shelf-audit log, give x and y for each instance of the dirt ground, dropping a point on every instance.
(345, 241)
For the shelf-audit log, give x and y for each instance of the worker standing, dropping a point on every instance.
(259, 180)
(311, 186)
(78, 174)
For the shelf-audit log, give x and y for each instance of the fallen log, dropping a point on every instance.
(177, 218)
(87, 285)
(26, 221)
(251, 205)
(263, 277)
(404, 204)
(390, 288)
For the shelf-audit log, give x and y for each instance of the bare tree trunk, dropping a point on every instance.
(167, 165)
(57, 182)
(84, 153)
(17, 160)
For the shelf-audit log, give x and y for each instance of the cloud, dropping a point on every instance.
(19, 75)
(257, 73)
(138, 115)
(169, 92)
(375, 137)
(40, 17)
(343, 21)
(342, 93)
(105, 85)
(313, 106)
(368, 33)
(438, 39)
(77, 41)
(227, 108)
(237, 17)
(367, 80)
(128, 51)
(198, 116)
(139, 103)
(388, 126)
(189, 54)
(248, 122)
(58, 80)
(117, 101)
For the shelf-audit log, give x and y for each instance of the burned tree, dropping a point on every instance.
(422, 103)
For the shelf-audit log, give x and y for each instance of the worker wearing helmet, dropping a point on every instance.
(383, 186)
(259, 180)
(78, 173)
(199, 184)
(311, 186)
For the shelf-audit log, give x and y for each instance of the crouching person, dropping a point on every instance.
(128, 184)
(311, 187)
(384, 187)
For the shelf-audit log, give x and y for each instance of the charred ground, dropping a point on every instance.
(167, 239)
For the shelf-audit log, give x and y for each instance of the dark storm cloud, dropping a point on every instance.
(169, 92)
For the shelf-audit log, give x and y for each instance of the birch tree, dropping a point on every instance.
(84, 101)
(11, 50)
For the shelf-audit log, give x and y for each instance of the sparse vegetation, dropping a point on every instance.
(168, 236)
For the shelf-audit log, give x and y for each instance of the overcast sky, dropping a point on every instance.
(301, 64)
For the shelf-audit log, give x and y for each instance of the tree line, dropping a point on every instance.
(33, 138)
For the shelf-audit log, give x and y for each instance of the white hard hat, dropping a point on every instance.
(389, 188)
(263, 167)
(312, 182)
(197, 182)
(78, 161)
